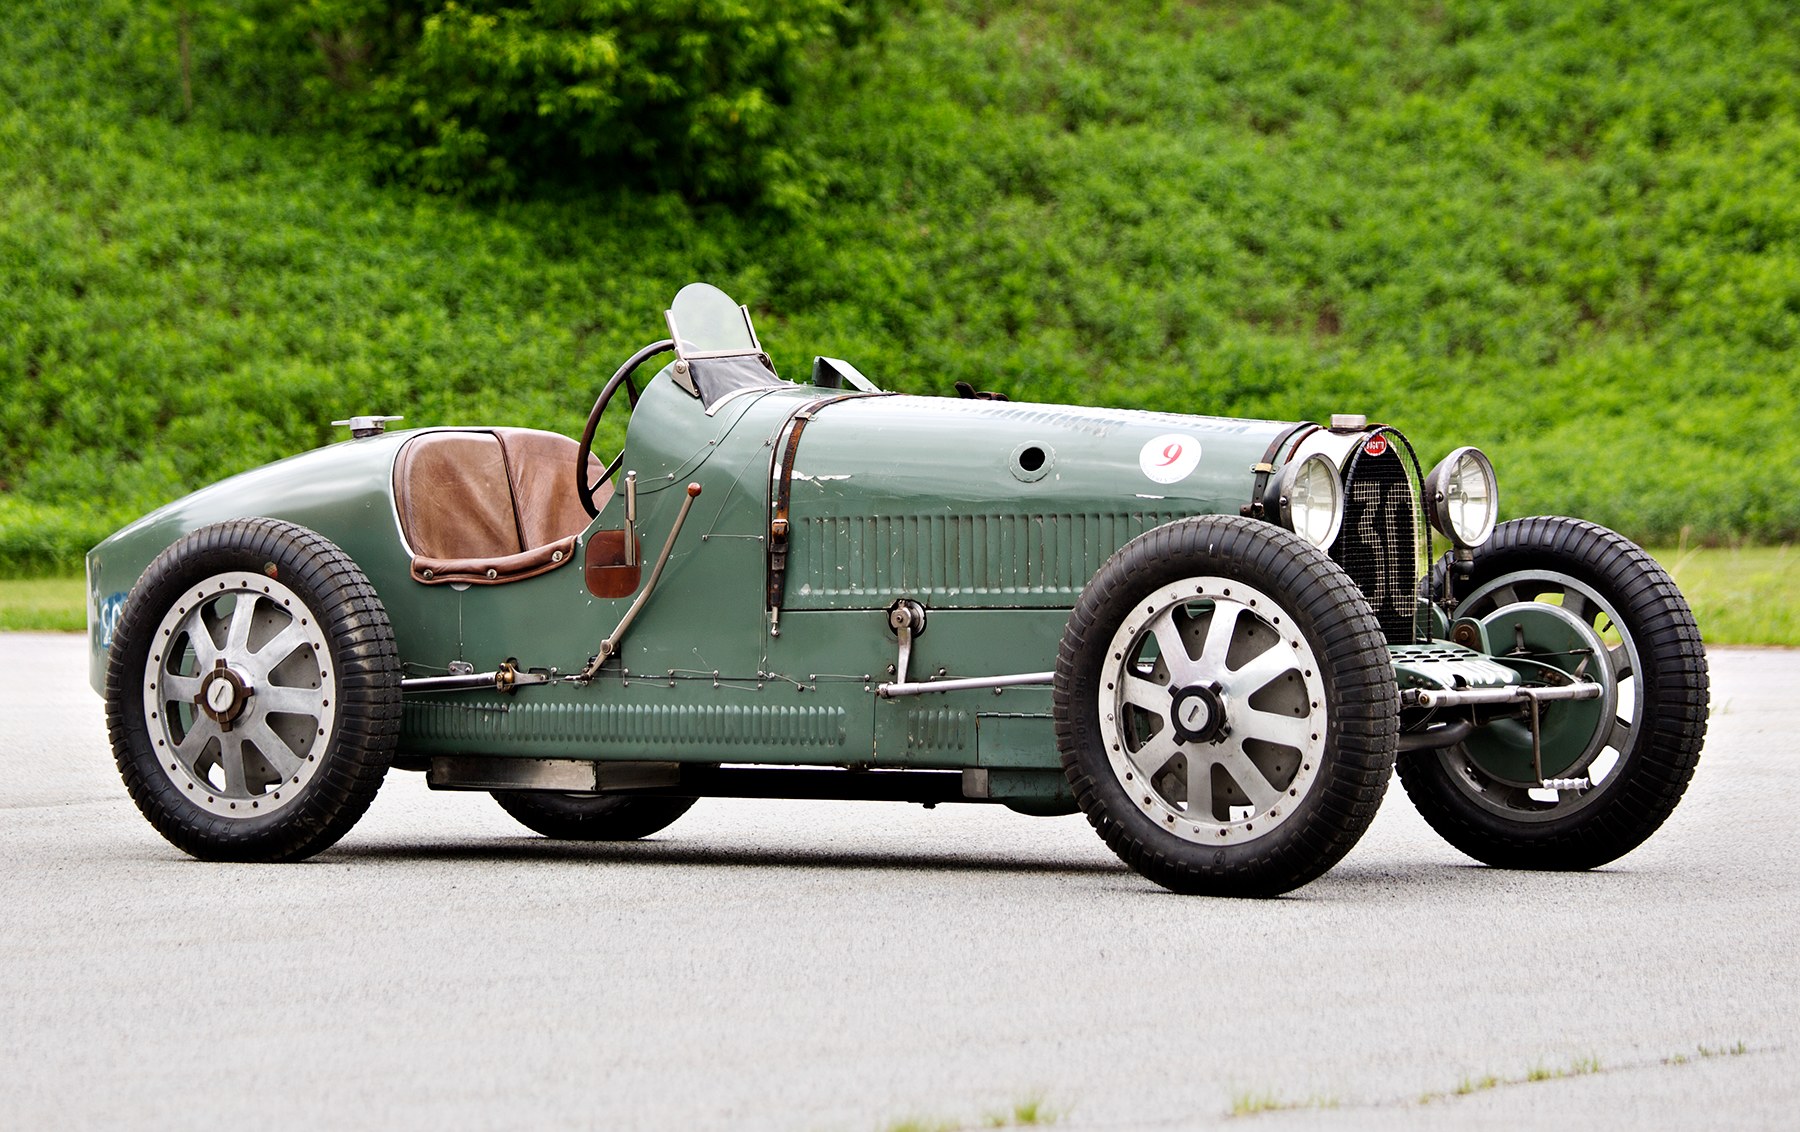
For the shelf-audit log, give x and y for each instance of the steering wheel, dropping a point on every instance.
(583, 486)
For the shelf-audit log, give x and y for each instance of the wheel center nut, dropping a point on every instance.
(1198, 712)
(222, 694)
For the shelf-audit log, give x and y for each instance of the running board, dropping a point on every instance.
(702, 780)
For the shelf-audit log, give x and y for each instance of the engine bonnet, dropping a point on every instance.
(983, 503)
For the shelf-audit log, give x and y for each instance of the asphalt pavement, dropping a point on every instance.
(854, 966)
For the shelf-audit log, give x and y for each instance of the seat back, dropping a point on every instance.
(455, 497)
(541, 466)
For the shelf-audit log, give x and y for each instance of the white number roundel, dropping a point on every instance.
(1170, 457)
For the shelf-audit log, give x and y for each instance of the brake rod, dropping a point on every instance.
(611, 644)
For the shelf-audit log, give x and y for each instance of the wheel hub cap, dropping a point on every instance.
(1198, 714)
(223, 692)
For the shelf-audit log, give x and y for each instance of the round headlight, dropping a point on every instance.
(1462, 497)
(1309, 499)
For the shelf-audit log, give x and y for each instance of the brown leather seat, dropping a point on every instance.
(489, 506)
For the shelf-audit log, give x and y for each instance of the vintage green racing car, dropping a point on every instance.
(1214, 637)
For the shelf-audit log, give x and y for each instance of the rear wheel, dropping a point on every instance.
(253, 692)
(1225, 707)
(591, 817)
(1618, 776)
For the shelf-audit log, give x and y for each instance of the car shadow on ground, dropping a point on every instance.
(668, 853)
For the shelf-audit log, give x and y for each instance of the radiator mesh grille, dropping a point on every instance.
(1379, 544)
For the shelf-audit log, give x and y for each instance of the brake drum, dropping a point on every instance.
(1545, 644)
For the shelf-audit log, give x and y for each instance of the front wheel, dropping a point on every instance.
(1225, 707)
(1621, 775)
(253, 692)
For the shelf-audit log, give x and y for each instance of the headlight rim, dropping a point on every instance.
(1282, 497)
(1436, 496)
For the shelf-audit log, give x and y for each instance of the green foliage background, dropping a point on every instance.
(1568, 232)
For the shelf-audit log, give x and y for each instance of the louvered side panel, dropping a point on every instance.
(647, 725)
(972, 560)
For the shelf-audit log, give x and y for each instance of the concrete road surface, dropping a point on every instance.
(791, 965)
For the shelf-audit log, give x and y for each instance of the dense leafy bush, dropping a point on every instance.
(490, 97)
(478, 95)
(1569, 232)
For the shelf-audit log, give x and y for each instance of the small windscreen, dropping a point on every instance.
(705, 320)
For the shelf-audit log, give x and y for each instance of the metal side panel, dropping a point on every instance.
(676, 720)
(980, 504)
(1021, 741)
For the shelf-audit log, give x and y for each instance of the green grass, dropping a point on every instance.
(43, 604)
(1031, 1112)
(1740, 596)
(1566, 231)
(1257, 1103)
(1704, 1053)
(1468, 1086)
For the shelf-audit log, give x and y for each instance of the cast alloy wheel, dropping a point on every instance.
(1212, 712)
(1225, 707)
(239, 694)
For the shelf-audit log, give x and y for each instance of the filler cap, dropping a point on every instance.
(362, 427)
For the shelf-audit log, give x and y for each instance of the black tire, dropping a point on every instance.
(1611, 584)
(591, 817)
(1322, 774)
(283, 636)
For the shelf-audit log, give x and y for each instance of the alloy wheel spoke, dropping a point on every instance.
(1173, 648)
(206, 652)
(231, 762)
(1618, 658)
(194, 742)
(1230, 755)
(283, 645)
(237, 637)
(292, 701)
(1579, 606)
(180, 689)
(276, 752)
(1619, 738)
(1256, 672)
(1504, 595)
(1146, 694)
(1219, 632)
(1155, 754)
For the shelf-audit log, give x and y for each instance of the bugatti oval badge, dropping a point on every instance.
(1170, 457)
(1376, 446)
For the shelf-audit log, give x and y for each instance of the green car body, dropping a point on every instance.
(904, 497)
(770, 636)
